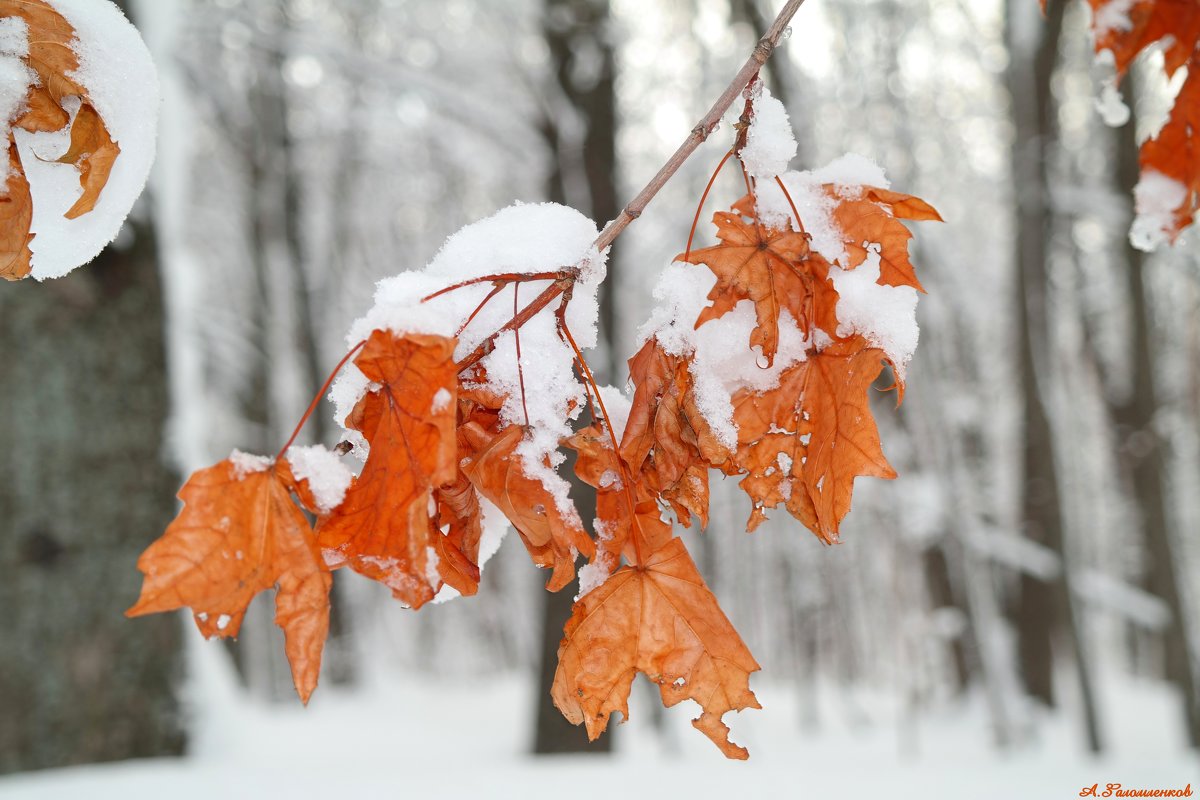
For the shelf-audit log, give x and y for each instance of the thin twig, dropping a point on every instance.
(762, 51)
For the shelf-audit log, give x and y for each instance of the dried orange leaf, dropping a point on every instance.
(238, 534)
(384, 527)
(804, 442)
(659, 619)
(552, 536)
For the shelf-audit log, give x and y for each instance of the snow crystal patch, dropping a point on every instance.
(247, 464)
(223, 622)
(116, 69)
(440, 400)
(813, 204)
(1113, 16)
(596, 572)
(852, 170)
(770, 143)
(431, 566)
(885, 315)
(328, 478)
(1111, 105)
(14, 37)
(1156, 199)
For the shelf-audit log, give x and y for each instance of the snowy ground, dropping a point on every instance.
(467, 738)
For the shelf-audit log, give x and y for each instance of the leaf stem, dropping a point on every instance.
(700, 207)
(626, 478)
(317, 400)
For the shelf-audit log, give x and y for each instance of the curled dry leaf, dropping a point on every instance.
(659, 619)
(238, 534)
(667, 442)
(552, 537)
(385, 526)
(48, 107)
(628, 519)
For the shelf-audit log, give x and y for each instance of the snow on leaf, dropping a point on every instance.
(82, 141)
(819, 420)
(775, 269)
(659, 619)
(1168, 192)
(383, 527)
(490, 461)
(238, 534)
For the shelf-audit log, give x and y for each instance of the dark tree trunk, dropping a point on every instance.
(1144, 453)
(576, 32)
(83, 490)
(1043, 608)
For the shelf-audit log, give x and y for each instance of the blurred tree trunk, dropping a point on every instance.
(580, 128)
(83, 490)
(1044, 606)
(1144, 453)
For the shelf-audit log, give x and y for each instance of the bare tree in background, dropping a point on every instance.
(83, 490)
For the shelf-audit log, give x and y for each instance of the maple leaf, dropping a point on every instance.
(803, 443)
(1126, 29)
(92, 150)
(238, 534)
(1175, 151)
(659, 619)
(384, 529)
(872, 216)
(772, 268)
(491, 462)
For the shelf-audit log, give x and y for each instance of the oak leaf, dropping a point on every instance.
(385, 527)
(659, 619)
(238, 534)
(774, 269)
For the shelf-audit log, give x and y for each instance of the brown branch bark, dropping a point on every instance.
(634, 208)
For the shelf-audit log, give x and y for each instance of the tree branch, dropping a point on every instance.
(708, 123)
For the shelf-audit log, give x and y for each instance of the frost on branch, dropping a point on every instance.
(1167, 196)
(79, 106)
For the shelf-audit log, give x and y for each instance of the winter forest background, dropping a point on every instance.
(1019, 609)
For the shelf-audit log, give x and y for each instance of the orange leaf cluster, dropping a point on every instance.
(439, 446)
(789, 436)
(1175, 25)
(92, 151)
